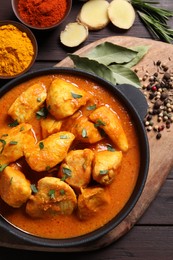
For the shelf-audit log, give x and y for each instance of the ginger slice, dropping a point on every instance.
(121, 13)
(74, 34)
(94, 14)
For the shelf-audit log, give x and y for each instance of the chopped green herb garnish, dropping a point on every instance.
(74, 95)
(103, 172)
(13, 142)
(14, 123)
(34, 188)
(84, 133)
(99, 123)
(66, 172)
(93, 107)
(110, 148)
(102, 132)
(63, 136)
(42, 113)
(51, 193)
(62, 192)
(3, 141)
(41, 145)
(4, 135)
(11, 180)
(3, 144)
(3, 166)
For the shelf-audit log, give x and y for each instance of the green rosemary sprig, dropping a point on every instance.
(159, 29)
(155, 18)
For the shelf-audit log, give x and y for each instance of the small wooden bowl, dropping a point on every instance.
(31, 36)
(16, 12)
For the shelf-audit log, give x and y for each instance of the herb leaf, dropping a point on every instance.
(110, 148)
(51, 194)
(3, 166)
(112, 62)
(66, 171)
(14, 123)
(62, 192)
(34, 188)
(94, 67)
(142, 50)
(74, 95)
(159, 13)
(99, 123)
(125, 75)
(160, 30)
(13, 142)
(103, 172)
(107, 53)
(84, 133)
(42, 113)
(155, 18)
(3, 144)
(41, 145)
(92, 107)
(63, 136)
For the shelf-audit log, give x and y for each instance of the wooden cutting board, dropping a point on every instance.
(161, 151)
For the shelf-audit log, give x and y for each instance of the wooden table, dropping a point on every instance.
(152, 235)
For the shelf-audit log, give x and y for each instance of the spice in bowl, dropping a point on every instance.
(41, 14)
(16, 50)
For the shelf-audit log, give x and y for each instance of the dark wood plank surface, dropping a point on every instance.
(152, 235)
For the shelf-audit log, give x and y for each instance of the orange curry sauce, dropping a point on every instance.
(61, 226)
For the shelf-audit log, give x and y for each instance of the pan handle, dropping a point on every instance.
(136, 97)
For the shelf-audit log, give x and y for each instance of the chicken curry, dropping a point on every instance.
(69, 156)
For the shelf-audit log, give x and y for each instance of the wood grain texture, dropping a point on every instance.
(161, 159)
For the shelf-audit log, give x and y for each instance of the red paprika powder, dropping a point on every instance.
(42, 13)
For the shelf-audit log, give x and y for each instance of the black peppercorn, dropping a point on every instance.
(163, 95)
(158, 136)
(160, 95)
(157, 104)
(158, 63)
(166, 76)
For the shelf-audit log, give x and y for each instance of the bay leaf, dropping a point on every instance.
(125, 75)
(107, 53)
(142, 50)
(94, 67)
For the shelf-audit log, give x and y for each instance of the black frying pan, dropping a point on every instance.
(135, 103)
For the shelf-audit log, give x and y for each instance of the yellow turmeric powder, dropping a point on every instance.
(16, 50)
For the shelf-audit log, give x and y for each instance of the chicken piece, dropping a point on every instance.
(25, 106)
(15, 189)
(109, 121)
(105, 165)
(91, 201)
(85, 131)
(50, 126)
(54, 197)
(76, 168)
(13, 142)
(49, 152)
(64, 98)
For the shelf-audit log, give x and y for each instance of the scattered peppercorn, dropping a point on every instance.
(158, 136)
(159, 91)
